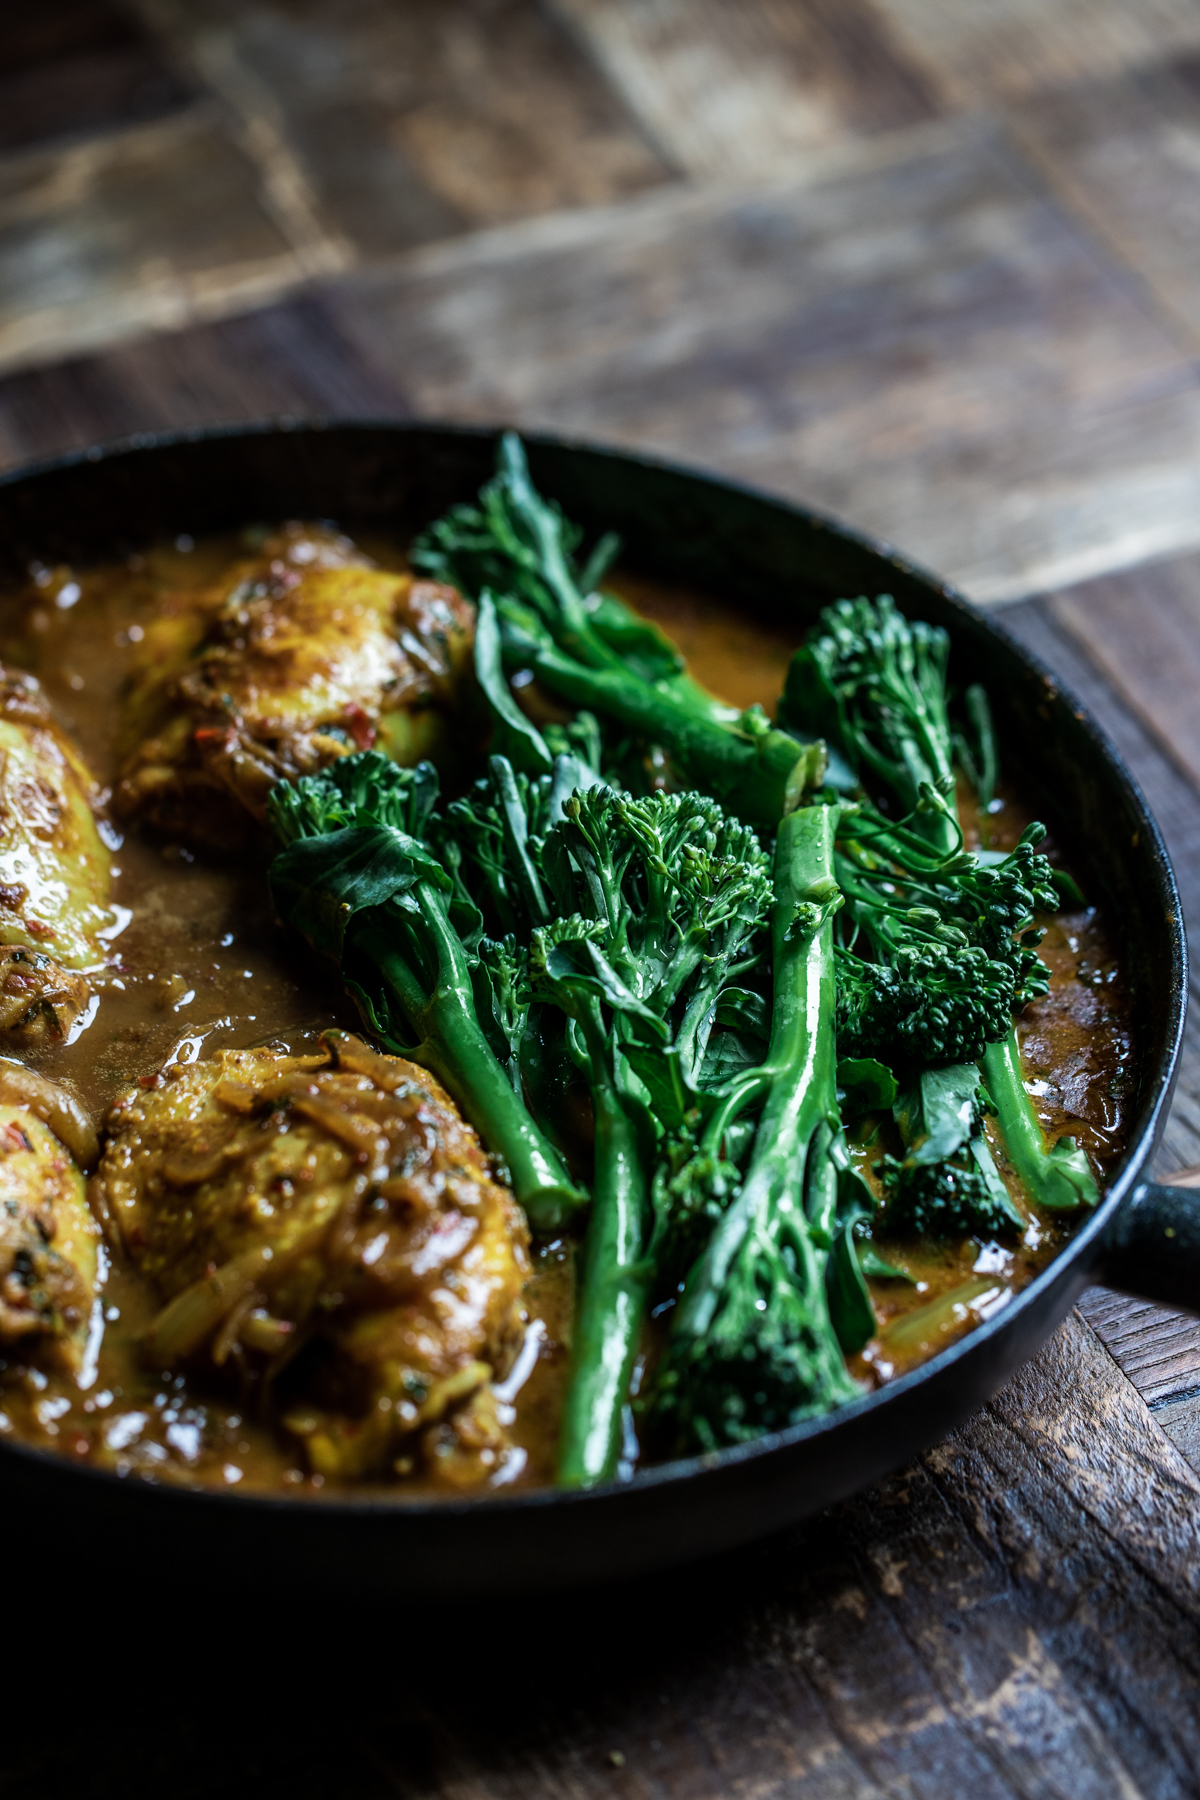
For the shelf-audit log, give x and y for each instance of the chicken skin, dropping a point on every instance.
(48, 1238)
(298, 655)
(55, 870)
(326, 1225)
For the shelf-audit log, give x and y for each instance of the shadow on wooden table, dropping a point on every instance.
(1016, 1614)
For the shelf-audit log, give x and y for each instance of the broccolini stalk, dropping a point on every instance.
(500, 978)
(758, 772)
(665, 897)
(490, 842)
(753, 1347)
(952, 942)
(874, 683)
(493, 833)
(616, 1278)
(947, 1181)
(518, 545)
(514, 553)
(1056, 1176)
(530, 751)
(355, 876)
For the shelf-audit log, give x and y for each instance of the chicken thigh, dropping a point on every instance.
(48, 1239)
(300, 654)
(327, 1225)
(55, 870)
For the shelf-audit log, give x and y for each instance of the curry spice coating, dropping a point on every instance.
(54, 867)
(55, 870)
(48, 1244)
(298, 655)
(326, 1225)
(40, 1001)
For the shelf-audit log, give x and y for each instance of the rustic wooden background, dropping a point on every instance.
(931, 264)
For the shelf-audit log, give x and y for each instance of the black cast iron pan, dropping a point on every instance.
(778, 562)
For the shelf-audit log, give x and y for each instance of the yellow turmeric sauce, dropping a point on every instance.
(200, 965)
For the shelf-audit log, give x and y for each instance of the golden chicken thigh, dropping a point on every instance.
(55, 870)
(298, 655)
(327, 1224)
(48, 1239)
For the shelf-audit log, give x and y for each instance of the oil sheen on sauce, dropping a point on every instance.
(200, 965)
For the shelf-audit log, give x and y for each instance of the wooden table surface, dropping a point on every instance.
(935, 267)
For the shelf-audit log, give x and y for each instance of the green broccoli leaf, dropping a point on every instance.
(873, 1265)
(513, 735)
(865, 1085)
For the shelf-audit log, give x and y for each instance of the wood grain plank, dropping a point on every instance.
(1125, 154)
(413, 122)
(732, 93)
(1011, 48)
(147, 228)
(75, 68)
(286, 360)
(1157, 1348)
(1142, 629)
(1180, 1419)
(1015, 1616)
(928, 347)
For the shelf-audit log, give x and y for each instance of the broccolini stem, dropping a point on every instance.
(942, 831)
(454, 1047)
(745, 1090)
(760, 774)
(1058, 1177)
(802, 1055)
(615, 1285)
(801, 1068)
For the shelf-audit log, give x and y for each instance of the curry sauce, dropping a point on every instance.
(198, 966)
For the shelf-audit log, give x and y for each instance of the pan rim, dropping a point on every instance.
(1076, 1256)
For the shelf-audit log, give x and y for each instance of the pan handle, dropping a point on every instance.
(1152, 1248)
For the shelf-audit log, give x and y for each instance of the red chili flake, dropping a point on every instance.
(14, 1138)
(211, 734)
(151, 1081)
(359, 725)
(40, 930)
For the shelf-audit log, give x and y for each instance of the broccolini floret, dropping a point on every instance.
(954, 958)
(874, 683)
(357, 877)
(659, 903)
(947, 1181)
(491, 838)
(951, 942)
(753, 1346)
